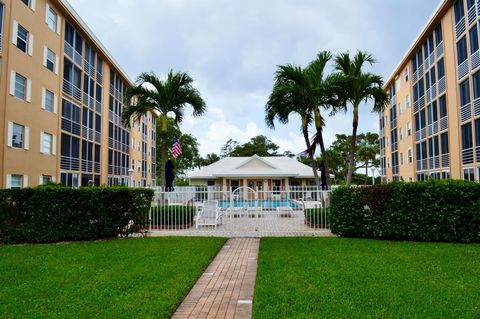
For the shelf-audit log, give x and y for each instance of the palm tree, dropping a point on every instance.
(161, 97)
(359, 86)
(304, 92)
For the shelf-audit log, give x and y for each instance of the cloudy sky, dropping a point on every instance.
(231, 48)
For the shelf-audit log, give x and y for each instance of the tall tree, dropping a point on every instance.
(368, 151)
(228, 148)
(174, 94)
(209, 159)
(359, 87)
(259, 145)
(305, 91)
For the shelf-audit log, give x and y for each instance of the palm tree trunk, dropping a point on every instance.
(318, 124)
(353, 148)
(163, 151)
(313, 164)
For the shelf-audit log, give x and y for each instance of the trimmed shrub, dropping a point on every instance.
(447, 211)
(52, 214)
(317, 217)
(173, 216)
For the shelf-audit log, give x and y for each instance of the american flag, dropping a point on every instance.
(176, 150)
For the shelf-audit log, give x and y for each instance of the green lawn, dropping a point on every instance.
(134, 278)
(348, 278)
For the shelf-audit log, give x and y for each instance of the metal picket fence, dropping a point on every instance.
(240, 212)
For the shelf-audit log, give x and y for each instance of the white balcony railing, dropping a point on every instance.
(465, 113)
(445, 159)
(460, 28)
(472, 14)
(70, 89)
(442, 86)
(463, 69)
(475, 58)
(476, 107)
(439, 50)
(443, 123)
(467, 156)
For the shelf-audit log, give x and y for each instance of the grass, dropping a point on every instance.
(134, 278)
(349, 278)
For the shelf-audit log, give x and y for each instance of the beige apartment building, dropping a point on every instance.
(432, 126)
(61, 97)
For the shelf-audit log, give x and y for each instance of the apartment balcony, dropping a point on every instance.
(421, 134)
(382, 152)
(96, 167)
(73, 54)
(460, 28)
(429, 61)
(394, 147)
(88, 133)
(472, 14)
(465, 113)
(98, 106)
(432, 128)
(69, 163)
(445, 160)
(477, 154)
(467, 156)
(443, 123)
(439, 50)
(88, 101)
(112, 90)
(442, 86)
(70, 89)
(393, 101)
(476, 107)
(99, 77)
(89, 68)
(434, 162)
(422, 165)
(87, 166)
(98, 137)
(70, 126)
(463, 69)
(431, 93)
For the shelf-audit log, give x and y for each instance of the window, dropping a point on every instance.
(407, 102)
(476, 85)
(401, 158)
(16, 182)
(409, 128)
(51, 19)
(400, 109)
(462, 50)
(49, 101)
(50, 60)
(407, 73)
(468, 174)
(20, 87)
(22, 38)
(459, 11)
(444, 143)
(467, 141)
(401, 133)
(438, 34)
(442, 102)
(46, 179)
(17, 136)
(464, 93)
(473, 35)
(410, 156)
(46, 143)
(441, 68)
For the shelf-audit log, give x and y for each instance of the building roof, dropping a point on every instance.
(254, 166)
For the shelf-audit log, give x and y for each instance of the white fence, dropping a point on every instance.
(240, 212)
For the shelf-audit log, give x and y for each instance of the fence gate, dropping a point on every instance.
(240, 212)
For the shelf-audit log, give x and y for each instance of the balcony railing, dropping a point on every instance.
(88, 133)
(98, 106)
(477, 154)
(439, 50)
(72, 90)
(476, 107)
(88, 101)
(394, 147)
(433, 128)
(73, 54)
(445, 159)
(467, 156)
(460, 28)
(475, 58)
(88, 68)
(69, 163)
(421, 134)
(442, 86)
(393, 101)
(422, 165)
(70, 126)
(98, 137)
(465, 113)
(472, 14)
(434, 162)
(443, 123)
(463, 69)
(87, 166)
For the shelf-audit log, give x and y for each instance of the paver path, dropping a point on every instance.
(225, 290)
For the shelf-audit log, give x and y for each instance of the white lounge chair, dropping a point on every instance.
(209, 214)
(285, 211)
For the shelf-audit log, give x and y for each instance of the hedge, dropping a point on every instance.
(53, 214)
(434, 211)
(167, 216)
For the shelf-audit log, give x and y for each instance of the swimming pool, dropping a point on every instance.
(263, 203)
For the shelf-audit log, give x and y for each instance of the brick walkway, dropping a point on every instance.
(225, 290)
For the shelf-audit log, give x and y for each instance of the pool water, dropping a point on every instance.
(263, 203)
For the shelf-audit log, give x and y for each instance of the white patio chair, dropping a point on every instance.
(285, 211)
(209, 215)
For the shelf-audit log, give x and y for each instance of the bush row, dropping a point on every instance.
(52, 214)
(447, 211)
